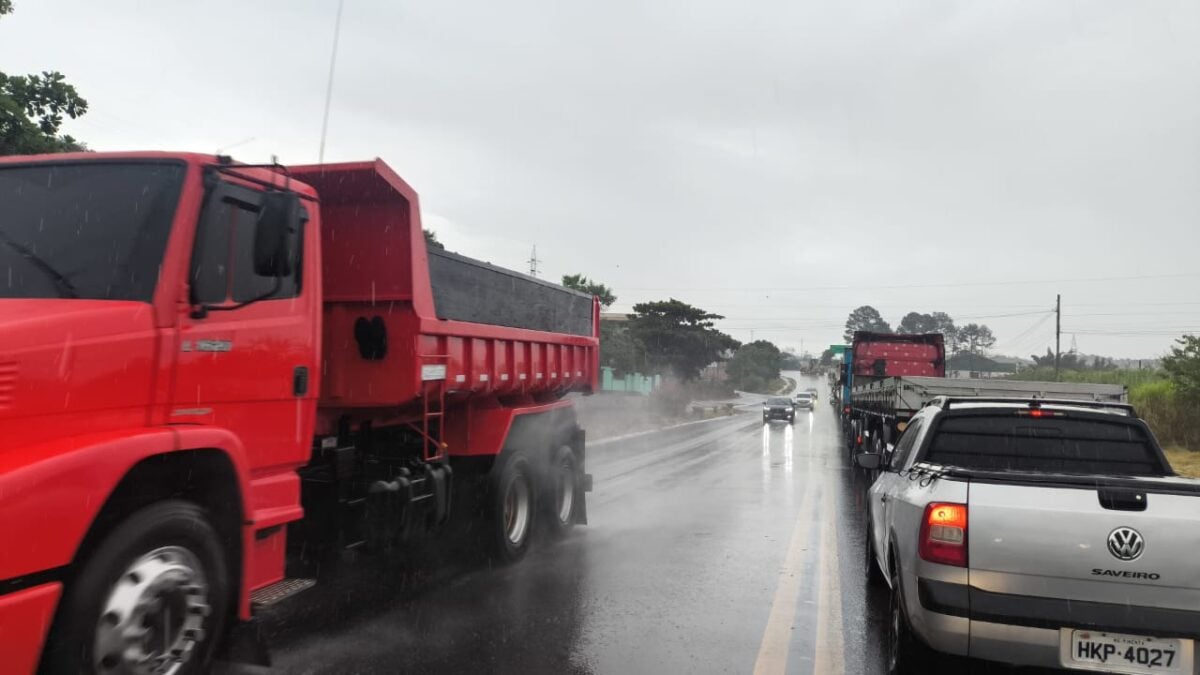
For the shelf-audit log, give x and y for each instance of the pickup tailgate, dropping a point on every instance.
(1089, 543)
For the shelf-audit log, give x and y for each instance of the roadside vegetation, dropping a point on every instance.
(1167, 398)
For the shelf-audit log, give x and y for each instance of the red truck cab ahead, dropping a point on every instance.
(200, 360)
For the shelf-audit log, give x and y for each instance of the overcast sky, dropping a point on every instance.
(776, 162)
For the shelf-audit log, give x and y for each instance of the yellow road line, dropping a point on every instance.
(773, 651)
(831, 654)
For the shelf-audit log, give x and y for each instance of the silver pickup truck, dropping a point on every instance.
(1044, 533)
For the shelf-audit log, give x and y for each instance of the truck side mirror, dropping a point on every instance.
(278, 221)
(870, 461)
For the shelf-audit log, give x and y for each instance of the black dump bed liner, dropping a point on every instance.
(465, 289)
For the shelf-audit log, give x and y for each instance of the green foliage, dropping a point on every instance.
(975, 338)
(677, 337)
(1170, 414)
(827, 357)
(431, 240)
(790, 360)
(32, 108)
(865, 318)
(755, 365)
(1128, 378)
(619, 350)
(1183, 367)
(934, 322)
(582, 283)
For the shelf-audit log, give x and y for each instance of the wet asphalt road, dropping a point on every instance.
(721, 546)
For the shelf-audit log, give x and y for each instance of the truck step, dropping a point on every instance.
(279, 591)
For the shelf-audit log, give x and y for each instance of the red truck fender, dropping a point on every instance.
(52, 493)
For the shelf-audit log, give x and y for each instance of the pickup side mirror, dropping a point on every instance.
(870, 461)
(278, 221)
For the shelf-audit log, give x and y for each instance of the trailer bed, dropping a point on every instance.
(901, 397)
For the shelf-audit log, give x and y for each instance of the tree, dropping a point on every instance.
(1068, 361)
(975, 338)
(586, 285)
(790, 360)
(1183, 367)
(942, 323)
(915, 322)
(431, 240)
(32, 108)
(619, 350)
(755, 365)
(865, 318)
(678, 337)
(827, 357)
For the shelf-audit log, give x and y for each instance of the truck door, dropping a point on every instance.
(247, 362)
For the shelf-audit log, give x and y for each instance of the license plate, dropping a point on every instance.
(1120, 653)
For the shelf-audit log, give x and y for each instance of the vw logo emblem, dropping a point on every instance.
(1126, 543)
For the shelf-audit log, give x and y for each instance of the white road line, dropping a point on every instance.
(773, 652)
(831, 651)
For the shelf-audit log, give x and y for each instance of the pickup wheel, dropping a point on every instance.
(512, 503)
(562, 487)
(151, 598)
(907, 655)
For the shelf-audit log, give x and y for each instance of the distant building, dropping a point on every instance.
(967, 364)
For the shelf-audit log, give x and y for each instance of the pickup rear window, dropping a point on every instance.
(1011, 442)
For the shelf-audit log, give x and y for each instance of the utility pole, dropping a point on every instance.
(533, 262)
(1057, 333)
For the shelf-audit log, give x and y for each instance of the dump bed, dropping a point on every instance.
(401, 321)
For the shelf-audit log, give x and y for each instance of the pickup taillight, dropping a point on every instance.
(944, 534)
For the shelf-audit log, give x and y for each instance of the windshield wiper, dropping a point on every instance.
(64, 286)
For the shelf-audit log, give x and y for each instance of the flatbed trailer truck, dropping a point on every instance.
(880, 409)
(202, 362)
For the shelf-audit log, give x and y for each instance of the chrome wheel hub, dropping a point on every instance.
(152, 621)
(566, 492)
(516, 510)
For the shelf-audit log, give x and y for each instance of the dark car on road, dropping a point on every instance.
(778, 409)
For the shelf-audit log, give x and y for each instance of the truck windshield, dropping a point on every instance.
(88, 230)
(1008, 442)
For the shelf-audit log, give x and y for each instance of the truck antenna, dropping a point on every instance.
(337, 30)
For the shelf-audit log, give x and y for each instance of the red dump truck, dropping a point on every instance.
(201, 360)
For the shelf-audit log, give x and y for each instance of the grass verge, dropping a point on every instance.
(1186, 462)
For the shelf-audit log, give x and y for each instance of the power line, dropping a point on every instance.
(1028, 282)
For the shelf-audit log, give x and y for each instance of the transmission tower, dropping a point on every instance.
(533, 262)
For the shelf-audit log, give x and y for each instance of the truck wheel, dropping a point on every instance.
(907, 655)
(512, 507)
(152, 598)
(562, 483)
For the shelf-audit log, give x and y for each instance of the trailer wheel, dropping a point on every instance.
(151, 598)
(562, 487)
(513, 503)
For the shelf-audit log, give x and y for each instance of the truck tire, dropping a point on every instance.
(512, 506)
(156, 588)
(562, 488)
(907, 655)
